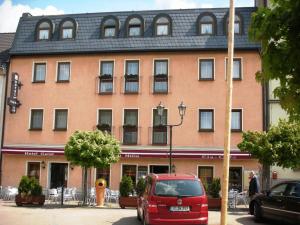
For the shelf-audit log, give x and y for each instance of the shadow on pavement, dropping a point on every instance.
(132, 220)
(250, 219)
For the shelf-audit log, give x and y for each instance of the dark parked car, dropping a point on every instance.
(282, 202)
(173, 199)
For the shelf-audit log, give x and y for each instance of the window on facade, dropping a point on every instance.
(207, 24)
(110, 27)
(130, 171)
(206, 173)
(236, 120)
(36, 120)
(159, 133)
(206, 120)
(132, 77)
(130, 127)
(237, 68)
(162, 26)
(39, 72)
(44, 30)
(68, 28)
(160, 76)
(142, 172)
(103, 173)
(105, 120)
(135, 27)
(33, 170)
(206, 69)
(63, 72)
(237, 25)
(106, 77)
(61, 119)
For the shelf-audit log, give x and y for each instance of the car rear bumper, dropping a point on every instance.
(160, 221)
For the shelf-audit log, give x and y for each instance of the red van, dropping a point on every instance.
(173, 199)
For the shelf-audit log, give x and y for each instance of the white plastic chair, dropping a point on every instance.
(53, 195)
(232, 199)
(242, 197)
(114, 195)
(92, 196)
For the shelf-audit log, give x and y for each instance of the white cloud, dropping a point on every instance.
(10, 14)
(206, 5)
(176, 4)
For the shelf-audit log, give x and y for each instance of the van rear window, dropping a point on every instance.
(179, 188)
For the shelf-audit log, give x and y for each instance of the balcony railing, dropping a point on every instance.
(159, 135)
(130, 134)
(106, 84)
(131, 83)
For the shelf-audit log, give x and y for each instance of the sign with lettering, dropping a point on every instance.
(12, 100)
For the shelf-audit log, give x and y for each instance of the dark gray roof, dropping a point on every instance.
(184, 35)
(6, 40)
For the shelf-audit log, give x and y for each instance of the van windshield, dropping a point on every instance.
(179, 188)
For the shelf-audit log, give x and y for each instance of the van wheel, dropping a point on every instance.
(257, 212)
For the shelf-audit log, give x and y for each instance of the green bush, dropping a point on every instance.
(214, 188)
(29, 186)
(126, 186)
(140, 187)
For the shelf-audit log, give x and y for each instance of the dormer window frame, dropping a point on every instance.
(200, 23)
(38, 29)
(156, 24)
(74, 28)
(116, 26)
(128, 25)
(240, 22)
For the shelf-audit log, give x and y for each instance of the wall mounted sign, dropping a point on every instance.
(12, 100)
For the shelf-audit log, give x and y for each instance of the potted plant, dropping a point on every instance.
(140, 187)
(126, 193)
(30, 192)
(213, 194)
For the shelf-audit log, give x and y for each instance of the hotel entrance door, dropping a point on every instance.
(59, 175)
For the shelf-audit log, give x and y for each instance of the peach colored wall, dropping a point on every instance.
(14, 167)
(81, 98)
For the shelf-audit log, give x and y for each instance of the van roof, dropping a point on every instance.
(173, 176)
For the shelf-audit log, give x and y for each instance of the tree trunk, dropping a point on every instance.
(265, 179)
(85, 185)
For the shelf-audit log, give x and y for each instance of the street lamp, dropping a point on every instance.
(181, 109)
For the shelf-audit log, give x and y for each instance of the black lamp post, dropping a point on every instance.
(160, 109)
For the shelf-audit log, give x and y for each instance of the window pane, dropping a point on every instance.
(206, 69)
(36, 119)
(206, 120)
(33, 170)
(63, 71)
(131, 117)
(178, 188)
(67, 33)
(160, 86)
(39, 72)
(61, 117)
(132, 68)
(130, 137)
(43, 34)
(142, 171)
(236, 27)
(106, 87)
(206, 28)
(161, 67)
(162, 29)
(107, 68)
(236, 120)
(131, 87)
(109, 31)
(205, 173)
(105, 117)
(134, 31)
(236, 69)
(156, 118)
(129, 170)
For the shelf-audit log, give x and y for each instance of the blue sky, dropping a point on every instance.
(82, 6)
(12, 10)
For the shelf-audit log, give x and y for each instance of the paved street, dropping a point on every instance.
(72, 215)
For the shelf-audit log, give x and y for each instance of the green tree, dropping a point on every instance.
(279, 146)
(92, 149)
(278, 29)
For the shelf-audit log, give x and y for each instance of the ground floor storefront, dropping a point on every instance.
(52, 169)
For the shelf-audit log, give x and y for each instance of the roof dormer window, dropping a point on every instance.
(109, 27)
(44, 30)
(207, 24)
(67, 29)
(238, 24)
(162, 25)
(135, 26)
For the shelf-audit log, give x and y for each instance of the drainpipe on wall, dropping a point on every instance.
(3, 75)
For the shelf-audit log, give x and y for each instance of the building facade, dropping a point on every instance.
(109, 71)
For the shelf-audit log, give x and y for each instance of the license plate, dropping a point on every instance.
(179, 208)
